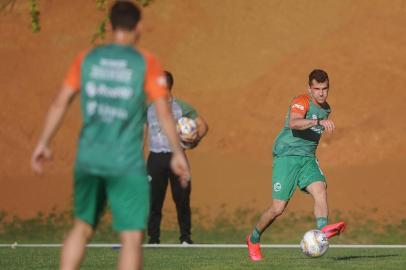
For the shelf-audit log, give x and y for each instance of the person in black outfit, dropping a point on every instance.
(159, 170)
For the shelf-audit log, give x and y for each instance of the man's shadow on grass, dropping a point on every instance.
(345, 258)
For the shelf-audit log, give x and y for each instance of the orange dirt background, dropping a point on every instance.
(240, 63)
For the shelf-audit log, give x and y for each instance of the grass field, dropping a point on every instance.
(51, 228)
(225, 228)
(204, 258)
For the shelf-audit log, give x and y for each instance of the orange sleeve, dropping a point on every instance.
(72, 78)
(300, 105)
(155, 81)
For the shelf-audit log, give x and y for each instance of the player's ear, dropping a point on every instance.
(139, 28)
(109, 27)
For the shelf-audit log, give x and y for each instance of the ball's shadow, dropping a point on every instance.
(345, 258)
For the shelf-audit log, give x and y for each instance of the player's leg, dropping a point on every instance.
(284, 182)
(181, 197)
(131, 250)
(89, 200)
(74, 245)
(313, 181)
(158, 171)
(128, 197)
(319, 193)
(267, 218)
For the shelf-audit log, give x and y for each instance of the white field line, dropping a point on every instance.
(15, 245)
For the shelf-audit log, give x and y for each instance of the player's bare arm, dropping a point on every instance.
(298, 122)
(179, 163)
(202, 128)
(52, 122)
(144, 147)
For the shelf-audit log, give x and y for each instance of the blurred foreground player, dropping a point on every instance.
(113, 82)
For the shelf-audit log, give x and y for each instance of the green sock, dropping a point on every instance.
(255, 236)
(321, 222)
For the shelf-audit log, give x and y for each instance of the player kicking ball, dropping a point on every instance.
(295, 162)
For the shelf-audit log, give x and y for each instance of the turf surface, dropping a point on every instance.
(204, 258)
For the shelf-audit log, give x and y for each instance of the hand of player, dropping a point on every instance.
(40, 154)
(328, 125)
(180, 167)
(191, 138)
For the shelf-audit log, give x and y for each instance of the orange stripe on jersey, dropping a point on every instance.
(300, 105)
(155, 81)
(72, 78)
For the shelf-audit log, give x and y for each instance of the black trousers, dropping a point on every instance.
(159, 170)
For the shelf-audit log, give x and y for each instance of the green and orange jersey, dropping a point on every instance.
(115, 82)
(292, 142)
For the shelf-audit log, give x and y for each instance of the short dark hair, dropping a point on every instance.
(169, 79)
(319, 75)
(124, 15)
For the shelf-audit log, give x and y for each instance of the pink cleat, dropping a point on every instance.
(333, 229)
(254, 250)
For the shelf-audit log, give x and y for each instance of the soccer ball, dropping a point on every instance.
(186, 126)
(314, 243)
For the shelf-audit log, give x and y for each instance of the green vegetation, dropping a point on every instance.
(6, 5)
(34, 12)
(203, 258)
(100, 34)
(101, 5)
(222, 228)
(144, 3)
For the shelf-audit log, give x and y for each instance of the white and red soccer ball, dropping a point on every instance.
(314, 243)
(185, 127)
